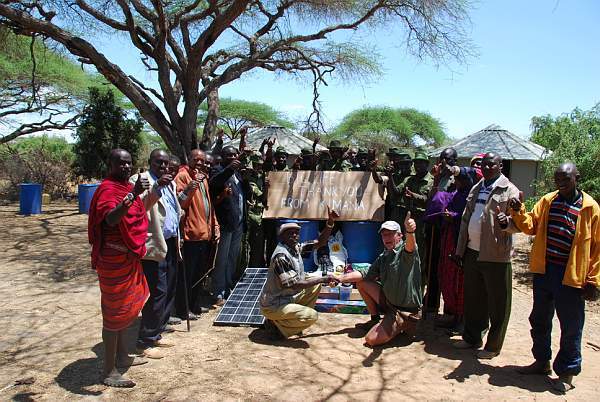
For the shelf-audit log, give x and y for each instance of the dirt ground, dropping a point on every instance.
(51, 323)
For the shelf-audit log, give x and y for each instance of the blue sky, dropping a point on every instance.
(534, 57)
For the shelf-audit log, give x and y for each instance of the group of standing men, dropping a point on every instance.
(460, 219)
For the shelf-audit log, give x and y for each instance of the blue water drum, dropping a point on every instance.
(30, 199)
(85, 192)
(362, 241)
(309, 230)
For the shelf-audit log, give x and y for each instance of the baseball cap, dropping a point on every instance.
(287, 226)
(390, 225)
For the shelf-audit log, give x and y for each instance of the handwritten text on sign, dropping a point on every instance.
(304, 194)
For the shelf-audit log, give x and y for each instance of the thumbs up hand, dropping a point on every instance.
(142, 184)
(409, 224)
(515, 204)
(502, 218)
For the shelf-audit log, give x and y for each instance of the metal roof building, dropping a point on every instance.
(290, 140)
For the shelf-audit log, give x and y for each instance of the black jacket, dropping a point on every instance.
(228, 213)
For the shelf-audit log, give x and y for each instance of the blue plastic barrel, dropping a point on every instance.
(362, 241)
(30, 199)
(85, 192)
(309, 230)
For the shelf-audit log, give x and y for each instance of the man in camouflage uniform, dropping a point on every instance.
(254, 185)
(362, 161)
(415, 191)
(336, 162)
(398, 169)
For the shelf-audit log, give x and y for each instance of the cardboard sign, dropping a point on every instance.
(305, 194)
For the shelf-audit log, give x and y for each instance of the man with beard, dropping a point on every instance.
(200, 232)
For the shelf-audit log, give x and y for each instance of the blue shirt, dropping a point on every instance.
(171, 224)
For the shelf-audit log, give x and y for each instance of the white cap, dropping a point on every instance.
(390, 225)
(287, 226)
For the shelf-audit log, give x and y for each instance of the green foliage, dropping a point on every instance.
(52, 68)
(42, 159)
(572, 137)
(381, 127)
(103, 127)
(236, 113)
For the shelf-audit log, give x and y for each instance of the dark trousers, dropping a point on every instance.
(161, 277)
(256, 245)
(432, 236)
(549, 294)
(488, 296)
(196, 255)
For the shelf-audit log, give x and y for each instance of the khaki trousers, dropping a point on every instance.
(293, 318)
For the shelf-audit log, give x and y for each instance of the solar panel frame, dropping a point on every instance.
(242, 307)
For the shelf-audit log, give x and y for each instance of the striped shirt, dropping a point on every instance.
(562, 221)
(475, 221)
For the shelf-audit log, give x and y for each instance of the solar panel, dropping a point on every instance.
(242, 307)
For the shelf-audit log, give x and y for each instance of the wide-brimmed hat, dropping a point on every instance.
(420, 156)
(305, 151)
(362, 151)
(288, 226)
(400, 155)
(280, 150)
(335, 144)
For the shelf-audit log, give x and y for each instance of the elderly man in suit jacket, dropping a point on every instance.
(162, 244)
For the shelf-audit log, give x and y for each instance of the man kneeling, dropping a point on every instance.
(288, 298)
(391, 285)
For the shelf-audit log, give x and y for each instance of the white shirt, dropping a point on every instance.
(474, 242)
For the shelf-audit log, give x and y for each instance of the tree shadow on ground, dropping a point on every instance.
(438, 344)
(79, 376)
(521, 272)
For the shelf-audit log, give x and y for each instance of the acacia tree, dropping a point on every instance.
(236, 113)
(40, 89)
(381, 127)
(194, 47)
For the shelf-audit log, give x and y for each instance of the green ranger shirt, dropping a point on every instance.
(393, 199)
(420, 186)
(254, 198)
(337, 166)
(399, 273)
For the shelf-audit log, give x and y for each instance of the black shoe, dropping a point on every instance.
(201, 310)
(537, 367)
(174, 321)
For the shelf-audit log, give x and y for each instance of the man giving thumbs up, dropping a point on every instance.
(484, 246)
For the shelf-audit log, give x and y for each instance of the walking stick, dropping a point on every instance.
(213, 259)
(185, 293)
(426, 301)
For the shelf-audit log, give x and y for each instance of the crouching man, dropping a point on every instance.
(288, 297)
(391, 285)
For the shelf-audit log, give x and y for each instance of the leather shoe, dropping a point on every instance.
(537, 367)
(174, 321)
(465, 345)
(161, 343)
(486, 354)
(201, 310)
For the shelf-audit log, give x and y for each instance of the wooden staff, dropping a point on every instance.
(426, 301)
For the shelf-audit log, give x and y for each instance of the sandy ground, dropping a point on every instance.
(50, 320)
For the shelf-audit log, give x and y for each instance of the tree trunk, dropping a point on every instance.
(212, 116)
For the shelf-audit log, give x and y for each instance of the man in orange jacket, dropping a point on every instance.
(565, 262)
